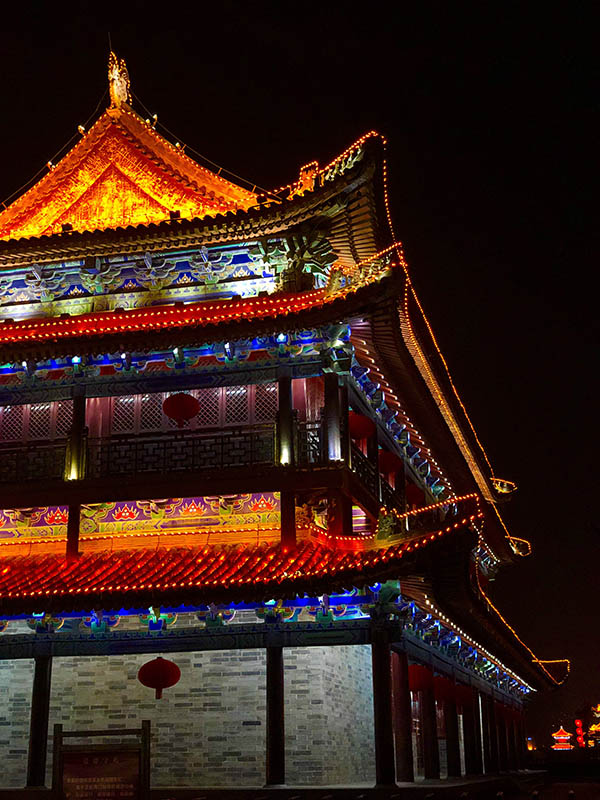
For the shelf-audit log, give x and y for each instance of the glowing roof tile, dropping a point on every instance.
(120, 173)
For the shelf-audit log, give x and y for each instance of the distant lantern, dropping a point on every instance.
(445, 690)
(420, 678)
(390, 462)
(361, 427)
(159, 674)
(181, 407)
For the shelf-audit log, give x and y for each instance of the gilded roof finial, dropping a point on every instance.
(118, 81)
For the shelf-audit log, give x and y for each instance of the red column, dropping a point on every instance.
(421, 680)
(445, 693)
(510, 738)
(502, 737)
(288, 518)
(490, 705)
(385, 770)
(402, 714)
(471, 736)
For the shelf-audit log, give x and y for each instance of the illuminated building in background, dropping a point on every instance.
(562, 740)
(593, 731)
(228, 434)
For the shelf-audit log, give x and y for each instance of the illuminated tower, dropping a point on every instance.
(225, 422)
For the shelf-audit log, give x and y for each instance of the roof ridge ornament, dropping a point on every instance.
(118, 81)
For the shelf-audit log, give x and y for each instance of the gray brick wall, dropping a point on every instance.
(329, 715)
(209, 729)
(16, 679)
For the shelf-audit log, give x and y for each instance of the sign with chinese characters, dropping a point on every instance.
(119, 770)
(91, 774)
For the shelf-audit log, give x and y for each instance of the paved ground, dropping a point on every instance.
(560, 791)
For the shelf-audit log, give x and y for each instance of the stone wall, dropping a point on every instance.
(209, 729)
(16, 680)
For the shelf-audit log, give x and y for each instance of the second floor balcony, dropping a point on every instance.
(130, 449)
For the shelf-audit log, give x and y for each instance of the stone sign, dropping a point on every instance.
(94, 774)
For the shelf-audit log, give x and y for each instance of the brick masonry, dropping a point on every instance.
(209, 729)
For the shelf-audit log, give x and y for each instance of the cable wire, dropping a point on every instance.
(203, 157)
(56, 156)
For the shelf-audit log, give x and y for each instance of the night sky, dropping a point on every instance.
(490, 117)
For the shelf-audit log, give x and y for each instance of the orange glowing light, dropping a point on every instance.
(120, 173)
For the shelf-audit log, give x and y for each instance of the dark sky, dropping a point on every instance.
(490, 116)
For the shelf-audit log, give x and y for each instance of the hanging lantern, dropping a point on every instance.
(415, 496)
(390, 462)
(181, 407)
(159, 674)
(420, 678)
(444, 689)
(464, 695)
(361, 427)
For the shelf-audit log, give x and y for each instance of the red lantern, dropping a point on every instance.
(464, 695)
(390, 462)
(444, 689)
(361, 427)
(180, 407)
(159, 674)
(415, 497)
(420, 678)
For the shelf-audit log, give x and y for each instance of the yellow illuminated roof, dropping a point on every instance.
(120, 173)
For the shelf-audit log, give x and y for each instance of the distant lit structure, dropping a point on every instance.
(562, 739)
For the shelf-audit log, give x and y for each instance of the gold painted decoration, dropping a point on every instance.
(120, 173)
(118, 81)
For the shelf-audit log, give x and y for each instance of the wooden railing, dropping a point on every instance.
(32, 462)
(185, 451)
(181, 451)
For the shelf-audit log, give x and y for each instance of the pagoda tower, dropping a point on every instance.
(228, 436)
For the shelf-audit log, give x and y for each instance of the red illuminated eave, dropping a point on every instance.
(173, 575)
(178, 317)
(163, 317)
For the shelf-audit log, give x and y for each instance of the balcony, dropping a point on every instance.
(226, 460)
(32, 462)
(181, 451)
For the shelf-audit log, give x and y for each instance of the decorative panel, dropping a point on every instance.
(236, 405)
(123, 414)
(40, 420)
(151, 413)
(63, 419)
(265, 402)
(11, 429)
(242, 512)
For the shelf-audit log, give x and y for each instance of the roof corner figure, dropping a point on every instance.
(118, 81)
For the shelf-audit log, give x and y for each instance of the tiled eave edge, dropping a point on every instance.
(232, 227)
(196, 334)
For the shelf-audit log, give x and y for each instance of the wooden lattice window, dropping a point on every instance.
(265, 402)
(36, 421)
(237, 405)
(209, 415)
(40, 421)
(11, 427)
(123, 417)
(226, 406)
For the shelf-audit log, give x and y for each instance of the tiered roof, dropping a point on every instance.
(123, 190)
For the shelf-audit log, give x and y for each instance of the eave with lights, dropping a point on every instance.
(321, 461)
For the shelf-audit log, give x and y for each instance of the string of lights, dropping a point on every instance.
(185, 146)
(59, 154)
(534, 658)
